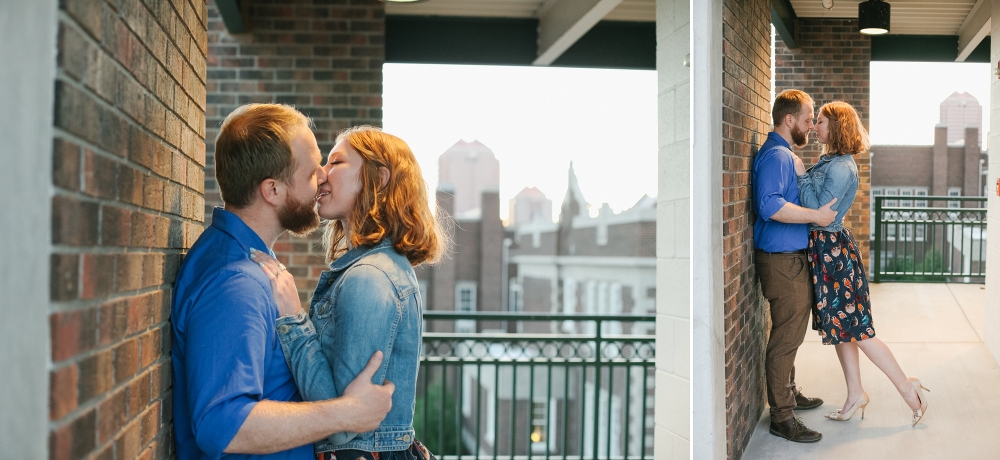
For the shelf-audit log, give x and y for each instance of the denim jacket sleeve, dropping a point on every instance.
(820, 185)
(364, 320)
(309, 365)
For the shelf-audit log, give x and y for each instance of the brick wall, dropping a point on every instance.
(746, 120)
(833, 63)
(128, 158)
(325, 58)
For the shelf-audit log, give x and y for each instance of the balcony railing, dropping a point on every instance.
(930, 244)
(566, 387)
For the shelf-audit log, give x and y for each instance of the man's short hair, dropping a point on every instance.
(254, 144)
(789, 102)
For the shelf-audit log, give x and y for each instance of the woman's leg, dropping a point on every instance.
(848, 354)
(879, 353)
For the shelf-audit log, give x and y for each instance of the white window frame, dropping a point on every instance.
(465, 326)
(954, 191)
(602, 233)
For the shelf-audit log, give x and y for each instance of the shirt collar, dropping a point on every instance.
(773, 136)
(352, 256)
(239, 230)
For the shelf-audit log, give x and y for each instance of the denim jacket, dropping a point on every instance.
(367, 301)
(833, 176)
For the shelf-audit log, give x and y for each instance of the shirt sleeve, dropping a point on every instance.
(227, 337)
(769, 186)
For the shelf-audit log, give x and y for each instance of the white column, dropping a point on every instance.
(708, 344)
(992, 327)
(28, 53)
(673, 250)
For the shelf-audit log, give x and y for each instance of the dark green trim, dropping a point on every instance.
(506, 41)
(614, 44)
(784, 20)
(924, 48)
(232, 15)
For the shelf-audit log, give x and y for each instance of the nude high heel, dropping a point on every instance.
(919, 413)
(861, 403)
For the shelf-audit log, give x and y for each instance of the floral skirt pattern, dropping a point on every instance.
(842, 312)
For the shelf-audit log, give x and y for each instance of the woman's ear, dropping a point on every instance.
(383, 173)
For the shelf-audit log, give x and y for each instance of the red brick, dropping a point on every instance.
(66, 165)
(116, 226)
(74, 222)
(96, 375)
(112, 413)
(113, 322)
(98, 275)
(75, 439)
(126, 360)
(63, 391)
(64, 277)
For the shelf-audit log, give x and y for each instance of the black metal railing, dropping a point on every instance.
(942, 243)
(567, 387)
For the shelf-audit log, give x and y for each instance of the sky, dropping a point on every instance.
(536, 120)
(905, 97)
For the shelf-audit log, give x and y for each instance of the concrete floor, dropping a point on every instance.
(935, 331)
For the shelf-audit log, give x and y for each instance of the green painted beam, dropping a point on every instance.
(784, 20)
(232, 15)
(505, 41)
(924, 48)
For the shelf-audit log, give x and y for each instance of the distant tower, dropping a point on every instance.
(960, 111)
(468, 169)
(574, 205)
(529, 204)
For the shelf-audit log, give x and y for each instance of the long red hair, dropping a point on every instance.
(847, 134)
(399, 211)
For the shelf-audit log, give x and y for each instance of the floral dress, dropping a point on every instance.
(843, 308)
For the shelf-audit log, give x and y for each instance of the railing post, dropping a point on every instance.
(878, 240)
(597, 389)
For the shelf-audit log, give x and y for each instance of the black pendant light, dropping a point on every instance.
(873, 17)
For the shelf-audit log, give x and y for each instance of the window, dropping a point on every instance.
(891, 192)
(516, 300)
(908, 203)
(465, 302)
(920, 203)
(954, 191)
(602, 234)
(539, 422)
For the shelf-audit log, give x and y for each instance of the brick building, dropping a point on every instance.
(580, 265)
(468, 169)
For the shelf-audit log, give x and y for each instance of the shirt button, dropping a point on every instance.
(284, 328)
(406, 438)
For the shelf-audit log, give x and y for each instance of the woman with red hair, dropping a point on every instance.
(379, 227)
(842, 311)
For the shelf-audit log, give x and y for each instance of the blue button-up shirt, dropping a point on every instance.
(226, 355)
(774, 184)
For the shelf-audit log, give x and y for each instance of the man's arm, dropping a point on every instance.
(795, 214)
(274, 426)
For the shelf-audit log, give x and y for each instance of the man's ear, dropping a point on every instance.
(272, 191)
(788, 121)
(383, 173)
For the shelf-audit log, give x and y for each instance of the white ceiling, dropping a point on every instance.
(910, 17)
(628, 10)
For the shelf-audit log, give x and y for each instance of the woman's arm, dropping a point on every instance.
(834, 184)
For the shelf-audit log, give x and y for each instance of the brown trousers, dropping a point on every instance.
(786, 282)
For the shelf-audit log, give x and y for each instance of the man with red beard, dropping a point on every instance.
(780, 236)
(233, 391)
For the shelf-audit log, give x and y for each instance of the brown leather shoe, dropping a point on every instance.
(793, 430)
(805, 403)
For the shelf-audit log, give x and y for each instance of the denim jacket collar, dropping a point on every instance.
(352, 256)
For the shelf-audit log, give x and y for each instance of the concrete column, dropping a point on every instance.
(707, 280)
(27, 49)
(992, 327)
(673, 232)
(971, 186)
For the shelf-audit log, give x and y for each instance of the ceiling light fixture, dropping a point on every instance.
(873, 17)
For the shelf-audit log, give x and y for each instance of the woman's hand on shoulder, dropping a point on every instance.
(286, 295)
(800, 168)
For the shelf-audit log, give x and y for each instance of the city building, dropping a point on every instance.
(959, 112)
(468, 169)
(529, 204)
